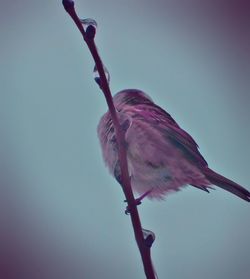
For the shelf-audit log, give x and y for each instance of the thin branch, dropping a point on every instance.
(144, 248)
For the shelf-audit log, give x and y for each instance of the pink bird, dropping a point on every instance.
(162, 157)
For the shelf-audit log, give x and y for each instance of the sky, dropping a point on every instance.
(61, 213)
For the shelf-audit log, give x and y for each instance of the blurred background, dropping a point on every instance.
(61, 213)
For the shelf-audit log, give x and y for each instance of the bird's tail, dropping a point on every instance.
(227, 184)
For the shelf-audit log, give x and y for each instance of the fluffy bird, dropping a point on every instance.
(162, 157)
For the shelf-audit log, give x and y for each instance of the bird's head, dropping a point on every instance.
(131, 97)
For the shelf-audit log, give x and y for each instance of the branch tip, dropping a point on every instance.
(68, 4)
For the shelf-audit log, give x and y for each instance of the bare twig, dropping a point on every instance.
(143, 246)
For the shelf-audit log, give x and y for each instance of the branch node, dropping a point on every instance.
(149, 237)
(90, 32)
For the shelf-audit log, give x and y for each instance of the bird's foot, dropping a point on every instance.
(138, 201)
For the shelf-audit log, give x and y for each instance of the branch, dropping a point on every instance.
(144, 244)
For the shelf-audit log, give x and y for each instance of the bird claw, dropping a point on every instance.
(138, 201)
(127, 211)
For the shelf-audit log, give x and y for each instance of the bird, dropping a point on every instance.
(162, 157)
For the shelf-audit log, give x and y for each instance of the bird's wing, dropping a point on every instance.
(156, 125)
